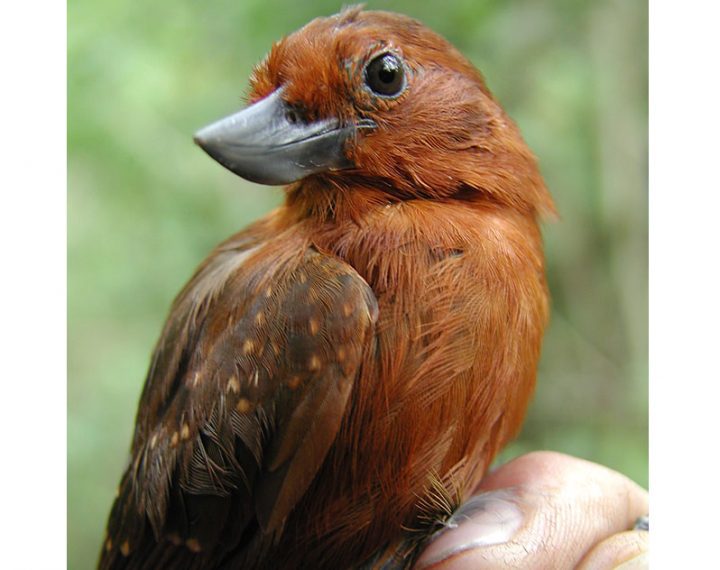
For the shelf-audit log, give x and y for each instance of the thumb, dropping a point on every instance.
(542, 510)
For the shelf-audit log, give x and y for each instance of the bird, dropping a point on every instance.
(336, 378)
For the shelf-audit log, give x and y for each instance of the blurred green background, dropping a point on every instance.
(146, 205)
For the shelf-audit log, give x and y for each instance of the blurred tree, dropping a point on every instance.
(145, 206)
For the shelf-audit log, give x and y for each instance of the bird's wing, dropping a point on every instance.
(244, 396)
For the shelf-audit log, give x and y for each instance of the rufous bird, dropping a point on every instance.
(336, 378)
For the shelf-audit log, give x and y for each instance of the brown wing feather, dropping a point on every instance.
(244, 397)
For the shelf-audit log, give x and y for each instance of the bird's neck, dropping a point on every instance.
(323, 200)
(385, 238)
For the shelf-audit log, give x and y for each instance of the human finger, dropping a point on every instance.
(542, 510)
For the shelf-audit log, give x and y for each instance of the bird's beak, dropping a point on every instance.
(265, 143)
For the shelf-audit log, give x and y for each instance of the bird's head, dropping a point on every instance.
(376, 100)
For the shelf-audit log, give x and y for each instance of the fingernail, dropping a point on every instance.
(642, 523)
(483, 520)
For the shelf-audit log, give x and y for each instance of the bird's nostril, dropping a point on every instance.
(292, 116)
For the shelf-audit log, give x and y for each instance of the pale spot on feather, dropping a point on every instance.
(268, 292)
(314, 363)
(193, 545)
(174, 439)
(243, 405)
(125, 548)
(153, 441)
(248, 346)
(341, 353)
(195, 379)
(185, 431)
(233, 385)
(347, 309)
(255, 377)
(275, 348)
(314, 326)
(260, 318)
(294, 382)
(108, 544)
(302, 277)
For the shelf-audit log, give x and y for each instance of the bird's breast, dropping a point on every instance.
(449, 371)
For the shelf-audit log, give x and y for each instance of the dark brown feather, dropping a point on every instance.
(244, 397)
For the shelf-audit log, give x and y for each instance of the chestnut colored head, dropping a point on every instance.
(406, 112)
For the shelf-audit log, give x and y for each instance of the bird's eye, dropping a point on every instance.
(385, 75)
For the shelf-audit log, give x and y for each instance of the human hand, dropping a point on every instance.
(545, 510)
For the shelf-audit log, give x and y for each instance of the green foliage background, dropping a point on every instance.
(146, 206)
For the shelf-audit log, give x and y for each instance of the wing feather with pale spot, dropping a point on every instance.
(245, 394)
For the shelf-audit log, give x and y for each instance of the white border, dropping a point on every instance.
(33, 285)
(684, 283)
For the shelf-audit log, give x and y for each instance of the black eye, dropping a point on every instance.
(385, 75)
